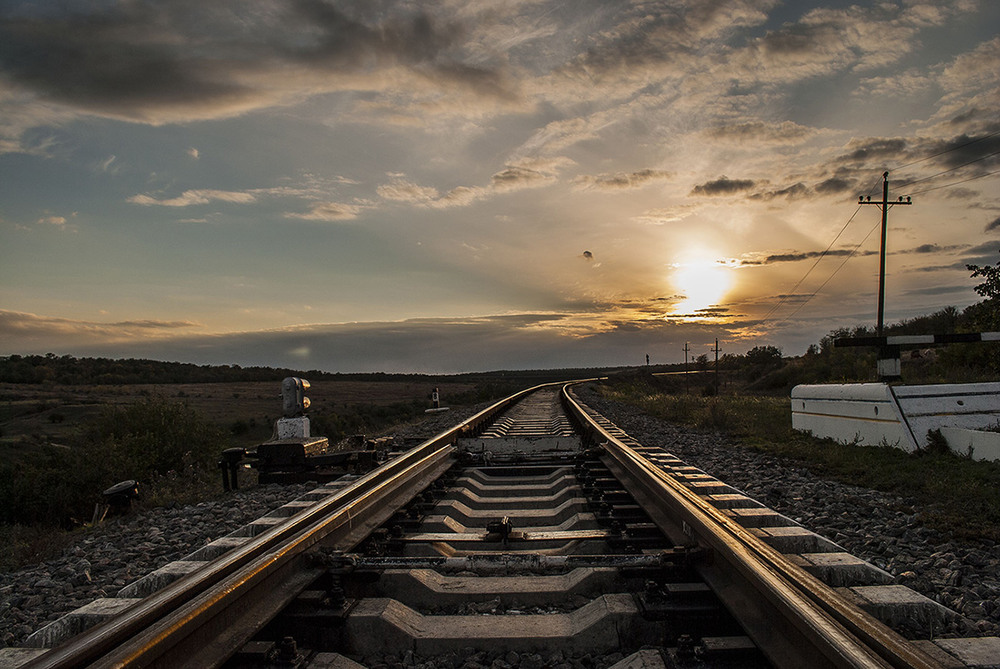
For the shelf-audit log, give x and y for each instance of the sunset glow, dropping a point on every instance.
(460, 185)
(702, 283)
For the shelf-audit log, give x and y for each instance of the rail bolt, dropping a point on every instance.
(685, 647)
(286, 653)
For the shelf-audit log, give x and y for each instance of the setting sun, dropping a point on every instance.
(702, 283)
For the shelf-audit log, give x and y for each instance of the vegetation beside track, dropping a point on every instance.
(52, 475)
(956, 495)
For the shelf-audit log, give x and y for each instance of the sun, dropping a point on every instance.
(702, 283)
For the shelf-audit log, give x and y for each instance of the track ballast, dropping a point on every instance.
(534, 534)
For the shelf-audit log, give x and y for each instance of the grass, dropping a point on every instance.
(956, 495)
(52, 471)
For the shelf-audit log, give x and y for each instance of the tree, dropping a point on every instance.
(764, 355)
(990, 288)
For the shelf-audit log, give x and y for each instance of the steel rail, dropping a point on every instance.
(189, 602)
(759, 585)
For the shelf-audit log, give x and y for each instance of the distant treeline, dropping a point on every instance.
(69, 370)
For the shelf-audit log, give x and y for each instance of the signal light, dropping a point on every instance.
(294, 400)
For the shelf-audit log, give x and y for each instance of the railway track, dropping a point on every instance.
(534, 534)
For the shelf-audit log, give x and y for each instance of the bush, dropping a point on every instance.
(146, 441)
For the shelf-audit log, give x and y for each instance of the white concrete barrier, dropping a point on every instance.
(878, 414)
(977, 444)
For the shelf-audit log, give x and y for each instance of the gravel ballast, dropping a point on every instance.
(875, 526)
(878, 527)
(107, 557)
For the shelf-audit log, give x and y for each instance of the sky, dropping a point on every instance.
(461, 185)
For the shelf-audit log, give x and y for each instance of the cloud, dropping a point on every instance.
(622, 180)
(52, 220)
(176, 62)
(835, 186)
(793, 192)
(195, 197)
(723, 186)
(993, 225)
(931, 248)
(518, 177)
(796, 256)
(515, 176)
(653, 38)
(402, 190)
(862, 151)
(329, 211)
(825, 41)
(587, 255)
(194, 153)
(32, 329)
(756, 132)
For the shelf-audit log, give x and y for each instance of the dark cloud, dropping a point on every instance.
(786, 132)
(43, 328)
(834, 186)
(931, 248)
(623, 180)
(723, 186)
(794, 257)
(656, 34)
(933, 291)
(797, 256)
(986, 248)
(792, 192)
(994, 225)
(875, 149)
(965, 148)
(587, 255)
(147, 61)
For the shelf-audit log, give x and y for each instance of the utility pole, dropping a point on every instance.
(888, 363)
(716, 349)
(686, 349)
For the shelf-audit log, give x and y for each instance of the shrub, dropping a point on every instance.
(145, 441)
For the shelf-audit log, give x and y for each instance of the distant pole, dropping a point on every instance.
(884, 206)
(647, 360)
(716, 349)
(686, 349)
(888, 356)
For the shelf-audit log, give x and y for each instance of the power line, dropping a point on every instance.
(790, 293)
(818, 259)
(815, 292)
(955, 183)
(954, 148)
(957, 167)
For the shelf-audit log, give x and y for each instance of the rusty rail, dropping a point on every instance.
(200, 619)
(793, 617)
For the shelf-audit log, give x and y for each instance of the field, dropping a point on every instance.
(54, 414)
(60, 445)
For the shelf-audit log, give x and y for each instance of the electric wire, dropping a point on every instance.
(955, 183)
(790, 293)
(822, 285)
(957, 167)
(954, 148)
